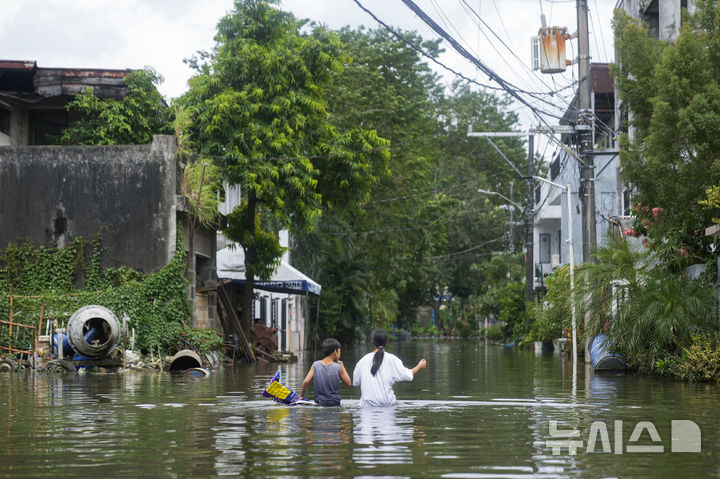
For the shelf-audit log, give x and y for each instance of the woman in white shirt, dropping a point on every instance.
(376, 373)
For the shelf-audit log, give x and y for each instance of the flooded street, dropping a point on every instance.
(476, 411)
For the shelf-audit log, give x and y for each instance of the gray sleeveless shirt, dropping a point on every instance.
(326, 382)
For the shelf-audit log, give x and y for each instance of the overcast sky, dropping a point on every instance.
(161, 33)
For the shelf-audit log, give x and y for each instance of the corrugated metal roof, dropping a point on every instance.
(17, 65)
(21, 79)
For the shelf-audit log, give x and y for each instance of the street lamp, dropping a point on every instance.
(501, 196)
(509, 206)
(572, 263)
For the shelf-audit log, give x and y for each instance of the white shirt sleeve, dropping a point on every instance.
(400, 372)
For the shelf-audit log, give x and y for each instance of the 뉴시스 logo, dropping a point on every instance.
(685, 437)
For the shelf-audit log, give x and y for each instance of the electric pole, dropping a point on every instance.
(585, 124)
(512, 218)
(529, 220)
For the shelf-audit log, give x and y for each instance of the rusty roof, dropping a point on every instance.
(17, 65)
(24, 80)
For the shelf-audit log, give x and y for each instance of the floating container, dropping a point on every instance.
(601, 358)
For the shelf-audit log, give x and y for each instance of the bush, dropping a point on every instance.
(495, 333)
(700, 361)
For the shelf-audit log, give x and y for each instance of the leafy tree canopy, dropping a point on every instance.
(673, 92)
(425, 228)
(259, 110)
(131, 120)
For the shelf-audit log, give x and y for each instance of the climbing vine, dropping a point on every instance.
(65, 279)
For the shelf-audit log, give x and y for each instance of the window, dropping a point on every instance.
(626, 206)
(544, 247)
(283, 325)
(274, 313)
(555, 168)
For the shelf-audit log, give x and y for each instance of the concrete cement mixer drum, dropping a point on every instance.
(93, 331)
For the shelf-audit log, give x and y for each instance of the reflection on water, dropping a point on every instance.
(382, 437)
(478, 412)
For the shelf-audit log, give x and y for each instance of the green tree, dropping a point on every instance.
(425, 226)
(673, 92)
(384, 86)
(258, 108)
(130, 120)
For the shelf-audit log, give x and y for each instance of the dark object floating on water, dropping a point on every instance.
(7, 365)
(601, 358)
(196, 372)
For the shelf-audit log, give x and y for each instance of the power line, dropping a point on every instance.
(468, 8)
(458, 253)
(432, 58)
(510, 89)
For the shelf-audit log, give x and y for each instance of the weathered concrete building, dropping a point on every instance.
(50, 195)
(33, 99)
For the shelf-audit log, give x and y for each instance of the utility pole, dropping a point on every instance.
(512, 219)
(530, 220)
(530, 207)
(585, 123)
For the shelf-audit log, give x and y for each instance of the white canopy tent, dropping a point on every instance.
(230, 265)
(286, 279)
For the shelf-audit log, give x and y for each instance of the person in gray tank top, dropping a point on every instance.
(326, 375)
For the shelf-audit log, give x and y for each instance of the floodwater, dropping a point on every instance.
(477, 411)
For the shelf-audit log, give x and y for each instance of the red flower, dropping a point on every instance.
(656, 211)
(683, 251)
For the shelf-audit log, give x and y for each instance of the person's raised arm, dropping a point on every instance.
(421, 365)
(344, 376)
(306, 381)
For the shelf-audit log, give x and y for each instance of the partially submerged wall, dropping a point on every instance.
(50, 195)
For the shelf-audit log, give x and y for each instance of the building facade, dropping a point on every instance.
(612, 197)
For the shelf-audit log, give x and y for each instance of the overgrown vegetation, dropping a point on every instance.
(657, 317)
(648, 310)
(699, 361)
(69, 278)
(131, 120)
(673, 91)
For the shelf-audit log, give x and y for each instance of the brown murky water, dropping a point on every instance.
(477, 411)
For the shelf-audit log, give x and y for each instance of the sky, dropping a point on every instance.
(161, 33)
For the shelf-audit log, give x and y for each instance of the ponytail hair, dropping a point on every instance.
(379, 340)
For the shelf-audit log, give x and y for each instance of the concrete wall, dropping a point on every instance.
(50, 195)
